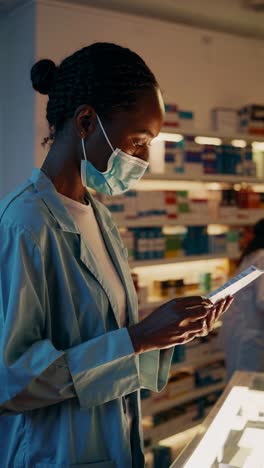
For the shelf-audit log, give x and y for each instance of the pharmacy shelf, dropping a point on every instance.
(180, 259)
(213, 134)
(195, 363)
(150, 407)
(188, 221)
(216, 178)
(165, 430)
(159, 434)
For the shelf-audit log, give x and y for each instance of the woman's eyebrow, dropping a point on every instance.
(146, 132)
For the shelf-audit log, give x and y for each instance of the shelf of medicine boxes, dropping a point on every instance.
(244, 217)
(227, 139)
(217, 178)
(172, 427)
(163, 431)
(180, 259)
(150, 408)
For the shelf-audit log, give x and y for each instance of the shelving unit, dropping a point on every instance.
(157, 181)
(245, 218)
(167, 261)
(149, 408)
(166, 429)
(198, 362)
(219, 178)
(212, 134)
(163, 431)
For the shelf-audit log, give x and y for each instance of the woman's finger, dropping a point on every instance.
(220, 308)
(186, 338)
(229, 301)
(211, 318)
(196, 301)
(195, 327)
(197, 313)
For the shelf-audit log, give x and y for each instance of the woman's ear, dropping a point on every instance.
(84, 120)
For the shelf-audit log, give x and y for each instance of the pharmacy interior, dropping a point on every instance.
(184, 227)
(187, 222)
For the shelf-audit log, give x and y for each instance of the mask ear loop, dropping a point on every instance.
(83, 147)
(104, 132)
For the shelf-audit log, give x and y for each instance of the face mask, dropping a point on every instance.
(122, 173)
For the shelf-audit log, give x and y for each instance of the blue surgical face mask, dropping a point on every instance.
(122, 173)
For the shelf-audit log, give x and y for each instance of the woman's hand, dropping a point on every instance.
(175, 322)
(215, 313)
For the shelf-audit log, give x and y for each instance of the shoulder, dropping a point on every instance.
(22, 210)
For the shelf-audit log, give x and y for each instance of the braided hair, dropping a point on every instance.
(105, 76)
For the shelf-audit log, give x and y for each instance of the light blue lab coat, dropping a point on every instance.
(242, 332)
(65, 363)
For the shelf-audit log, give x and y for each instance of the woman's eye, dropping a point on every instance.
(137, 144)
(140, 144)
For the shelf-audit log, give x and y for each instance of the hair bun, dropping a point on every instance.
(43, 75)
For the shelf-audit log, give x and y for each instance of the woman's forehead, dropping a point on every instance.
(148, 111)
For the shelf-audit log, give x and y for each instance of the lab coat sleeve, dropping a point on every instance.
(52, 386)
(100, 370)
(155, 368)
(24, 353)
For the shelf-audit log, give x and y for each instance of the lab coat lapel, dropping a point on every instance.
(91, 263)
(48, 194)
(119, 257)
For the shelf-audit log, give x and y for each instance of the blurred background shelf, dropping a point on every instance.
(219, 178)
(186, 258)
(245, 219)
(226, 137)
(163, 431)
(149, 408)
(198, 362)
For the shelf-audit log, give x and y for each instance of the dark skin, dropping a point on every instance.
(130, 131)
(180, 320)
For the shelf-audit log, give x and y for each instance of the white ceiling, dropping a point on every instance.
(221, 15)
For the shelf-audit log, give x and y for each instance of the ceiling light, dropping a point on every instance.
(258, 145)
(239, 143)
(200, 140)
(169, 137)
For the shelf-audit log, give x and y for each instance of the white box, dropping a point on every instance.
(224, 120)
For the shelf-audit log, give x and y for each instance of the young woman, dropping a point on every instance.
(73, 356)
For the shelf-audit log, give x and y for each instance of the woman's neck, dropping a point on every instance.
(62, 168)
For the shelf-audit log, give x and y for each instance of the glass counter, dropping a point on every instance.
(232, 436)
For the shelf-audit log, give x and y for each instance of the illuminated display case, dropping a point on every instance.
(232, 436)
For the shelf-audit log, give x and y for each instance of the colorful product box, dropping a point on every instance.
(174, 157)
(171, 204)
(171, 116)
(251, 119)
(186, 119)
